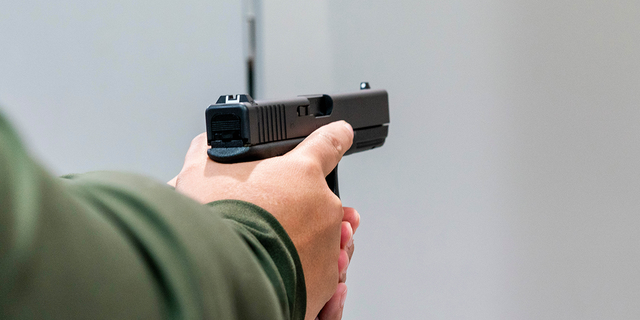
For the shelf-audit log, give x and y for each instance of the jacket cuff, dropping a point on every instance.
(274, 249)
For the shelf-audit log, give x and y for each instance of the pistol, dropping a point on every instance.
(241, 129)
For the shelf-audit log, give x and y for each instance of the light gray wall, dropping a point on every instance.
(507, 188)
(294, 48)
(509, 185)
(116, 84)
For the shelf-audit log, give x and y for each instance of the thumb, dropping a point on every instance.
(326, 145)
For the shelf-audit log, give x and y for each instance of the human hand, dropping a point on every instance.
(332, 310)
(293, 189)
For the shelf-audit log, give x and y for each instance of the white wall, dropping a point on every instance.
(509, 185)
(119, 84)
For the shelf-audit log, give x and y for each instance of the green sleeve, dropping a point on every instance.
(111, 245)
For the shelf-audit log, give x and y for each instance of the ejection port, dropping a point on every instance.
(303, 111)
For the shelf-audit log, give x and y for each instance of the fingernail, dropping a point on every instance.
(343, 299)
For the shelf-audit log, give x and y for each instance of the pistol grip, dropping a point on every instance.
(332, 181)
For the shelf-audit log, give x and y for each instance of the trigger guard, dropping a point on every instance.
(332, 181)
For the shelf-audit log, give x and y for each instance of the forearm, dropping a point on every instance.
(108, 245)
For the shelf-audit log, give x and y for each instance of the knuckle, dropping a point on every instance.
(198, 139)
(306, 166)
(356, 219)
(333, 142)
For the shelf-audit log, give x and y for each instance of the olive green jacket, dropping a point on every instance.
(109, 245)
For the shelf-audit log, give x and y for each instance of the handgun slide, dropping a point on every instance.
(242, 129)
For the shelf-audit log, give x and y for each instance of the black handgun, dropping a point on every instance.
(241, 129)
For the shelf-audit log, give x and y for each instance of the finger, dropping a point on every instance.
(172, 182)
(334, 307)
(350, 248)
(197, 148)
(346, 234)
(352, 216)
(326, 145)
(343, 265)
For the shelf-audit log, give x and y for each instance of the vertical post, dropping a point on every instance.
(251, 55)
(250, 38)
